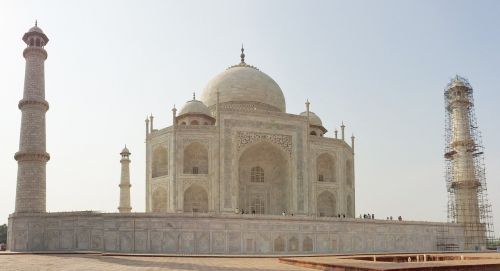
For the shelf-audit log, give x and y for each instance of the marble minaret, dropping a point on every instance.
(463, 149)
(32, 157)
(125, 182)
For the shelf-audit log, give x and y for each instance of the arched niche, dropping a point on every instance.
(195, 159)
(159, 200)
(307, 244)
(326, 204)
(160, 162)
(195, 199)
(326, 168)
(279, 244)
(264, 179)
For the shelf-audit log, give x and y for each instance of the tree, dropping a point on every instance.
(3, 233)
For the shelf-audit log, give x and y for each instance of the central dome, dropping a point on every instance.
(246, 86)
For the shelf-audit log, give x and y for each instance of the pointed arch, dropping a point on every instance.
(159, 200)
(326, 168)
(279, 244)
(159, 166)
(293, 244)
(195, 159)
(195, 199)
(326, 204)
(264, 185)
(307, 244)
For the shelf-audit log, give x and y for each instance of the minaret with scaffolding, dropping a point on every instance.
(465, 175)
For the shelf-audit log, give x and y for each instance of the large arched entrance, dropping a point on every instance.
(264, 180)
(196, 200)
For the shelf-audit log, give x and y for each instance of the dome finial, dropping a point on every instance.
(242, 56)
(36, 22)
(194, 96)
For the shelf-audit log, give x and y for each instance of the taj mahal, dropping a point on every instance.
(237, 149)
(235, 173)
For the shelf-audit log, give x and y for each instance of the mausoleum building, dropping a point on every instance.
(238, 150)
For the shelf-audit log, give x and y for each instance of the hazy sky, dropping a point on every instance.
(379, 66)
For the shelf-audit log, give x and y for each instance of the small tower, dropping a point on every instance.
(124, 206)
(465, 179)
(32, 157)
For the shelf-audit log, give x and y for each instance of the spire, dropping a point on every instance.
(242, 56)
(352, 142)
(342, 129)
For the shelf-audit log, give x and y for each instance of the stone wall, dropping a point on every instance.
(220, 234)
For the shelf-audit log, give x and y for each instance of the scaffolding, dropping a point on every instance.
(468, 203)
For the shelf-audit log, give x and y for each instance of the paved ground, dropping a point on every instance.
(448, 261)
(89, 262)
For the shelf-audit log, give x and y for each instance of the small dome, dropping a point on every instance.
(459, 81)
(125, 150)
(313, 118)
(245, 84)
(194, 107)
(36, 29)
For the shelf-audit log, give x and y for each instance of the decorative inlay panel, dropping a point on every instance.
(283, 141)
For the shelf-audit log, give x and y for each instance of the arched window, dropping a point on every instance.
(349, 172)
(325, 167)
(160, 162)
(195, 159)
(183, 123)
(37, 42)
(313, 133)
(32, 42)
(257, 175)
(194, 122)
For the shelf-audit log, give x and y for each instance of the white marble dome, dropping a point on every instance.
(194, 107)
(245, 84)
(313, 118)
